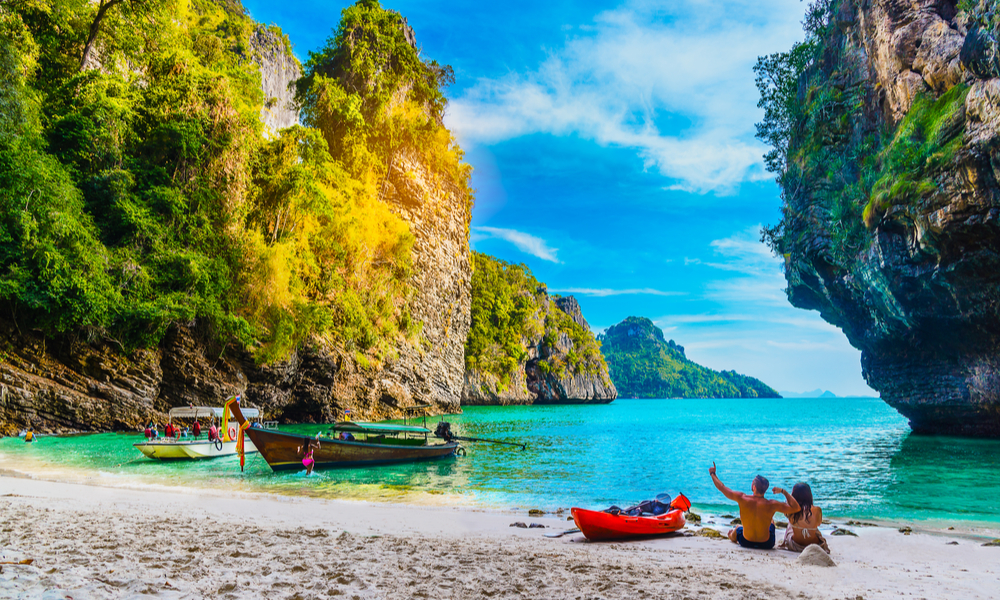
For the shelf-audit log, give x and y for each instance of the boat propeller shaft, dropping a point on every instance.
(443, 431)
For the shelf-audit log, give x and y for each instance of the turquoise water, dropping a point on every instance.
(857, 454)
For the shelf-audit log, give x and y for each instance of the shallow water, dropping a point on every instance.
(857, 454)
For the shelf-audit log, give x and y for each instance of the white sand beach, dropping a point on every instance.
(99, 542)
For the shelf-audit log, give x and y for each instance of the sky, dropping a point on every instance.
(613, 152)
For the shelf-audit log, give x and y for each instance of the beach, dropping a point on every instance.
(102, 542)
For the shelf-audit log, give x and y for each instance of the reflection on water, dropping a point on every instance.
(857, 454)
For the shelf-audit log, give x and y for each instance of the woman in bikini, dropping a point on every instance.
(306, 450)
(803, 526)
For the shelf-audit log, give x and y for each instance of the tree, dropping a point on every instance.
(95, 27)
(136, 15)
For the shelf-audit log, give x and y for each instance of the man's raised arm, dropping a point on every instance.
(790, 505)
(728, 493)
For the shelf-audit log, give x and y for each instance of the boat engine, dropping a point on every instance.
(443, 431)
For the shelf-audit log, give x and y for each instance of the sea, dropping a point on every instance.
(857, 454)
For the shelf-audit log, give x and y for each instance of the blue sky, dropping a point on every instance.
(613, 153)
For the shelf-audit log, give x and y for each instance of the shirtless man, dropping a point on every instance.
(756, 512)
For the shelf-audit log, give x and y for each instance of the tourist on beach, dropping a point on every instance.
(756, 512)
(803, 525)
(306, 451)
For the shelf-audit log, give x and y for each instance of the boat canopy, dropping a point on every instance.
(384, 428)
(196, 412)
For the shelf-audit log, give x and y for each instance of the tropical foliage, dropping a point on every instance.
(512, 311)
(643, 364)
(840, 167)
(137, 188)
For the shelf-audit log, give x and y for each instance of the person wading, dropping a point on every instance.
(756, 512)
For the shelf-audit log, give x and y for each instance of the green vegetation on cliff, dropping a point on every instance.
(841, 167)
(510, 310)
(645, 365)
(137, 189)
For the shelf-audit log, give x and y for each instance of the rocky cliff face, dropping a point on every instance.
(535, 380)
(279, 70)
(892, 214)
(70, 384)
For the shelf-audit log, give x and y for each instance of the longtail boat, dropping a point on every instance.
(378, 444)
(186, 447)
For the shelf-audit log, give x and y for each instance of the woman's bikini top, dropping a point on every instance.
(807, 531)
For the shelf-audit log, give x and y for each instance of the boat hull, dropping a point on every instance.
(597, 525)
(281, 451)
(189, 449)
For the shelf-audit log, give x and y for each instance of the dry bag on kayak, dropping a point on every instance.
(658, 506)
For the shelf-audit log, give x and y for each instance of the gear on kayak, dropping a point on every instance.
(648, 518)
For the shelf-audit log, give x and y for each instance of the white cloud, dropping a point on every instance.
(805, 321)
(603, 292)
(673, 82)
(524, 242)
(762, 280)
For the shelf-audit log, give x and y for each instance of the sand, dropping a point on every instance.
(98, 542)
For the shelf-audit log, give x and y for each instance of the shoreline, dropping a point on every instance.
(389, 495)
(102, 542)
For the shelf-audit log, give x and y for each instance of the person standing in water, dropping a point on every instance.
(29, 436)
(306, 450)
(756, 512)
(803, 525)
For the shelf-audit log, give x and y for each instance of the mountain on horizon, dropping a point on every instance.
(643, 364)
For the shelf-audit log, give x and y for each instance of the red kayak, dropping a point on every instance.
(598, 525)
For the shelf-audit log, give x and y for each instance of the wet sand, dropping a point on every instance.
(97, 542)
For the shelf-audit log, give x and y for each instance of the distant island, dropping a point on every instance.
(821, 393)
(643, 364)
(817, 393)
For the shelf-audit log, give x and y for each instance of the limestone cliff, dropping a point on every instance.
(527, 347)
(279, 70)
(86, 380)
(889, 174)
(69, 384)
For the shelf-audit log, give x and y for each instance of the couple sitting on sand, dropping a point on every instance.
(757, 514)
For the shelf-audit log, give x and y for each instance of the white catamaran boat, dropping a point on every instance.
(189, 448)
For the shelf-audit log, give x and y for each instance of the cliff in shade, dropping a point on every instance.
(527, 347)
(170, 234)
(885, 126)
(645, 365)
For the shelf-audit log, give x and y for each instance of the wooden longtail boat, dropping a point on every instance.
(184, 447)
(383, 444)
